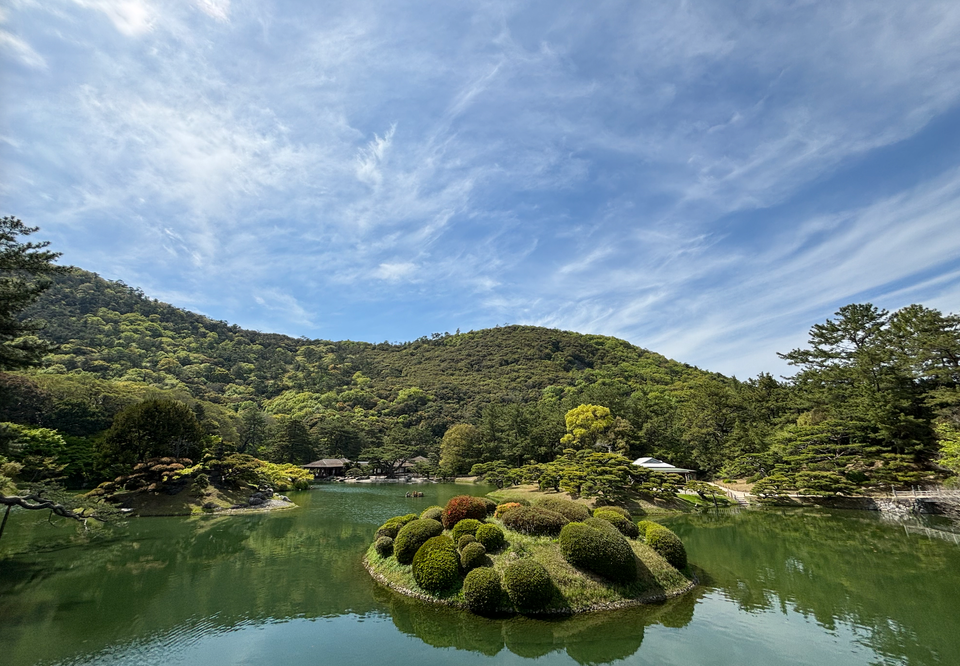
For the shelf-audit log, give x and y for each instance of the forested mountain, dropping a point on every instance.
(864, 408)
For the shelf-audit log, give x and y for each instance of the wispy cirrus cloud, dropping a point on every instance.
(703, 179)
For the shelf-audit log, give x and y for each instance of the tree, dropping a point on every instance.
(252, 430)
(587, 426)
(152, 429)
(24, 267)
(459, 449)
(47, 497)
(291, 442)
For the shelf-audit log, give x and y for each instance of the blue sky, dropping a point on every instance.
(705, 179)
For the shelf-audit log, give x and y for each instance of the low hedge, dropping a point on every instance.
(491, 537)
(461, 507)
(464, 540)
(472, 556)
(503, 508)
(384, 546)
(436, 566)
(534, 521)
(413, 535)
(483, 591)
(667, 544)
(616, 509)
(627, 528)
(572, 511)
(463, 527)
(528, 585)
(601, 551)
(432, 513)
(392, 526)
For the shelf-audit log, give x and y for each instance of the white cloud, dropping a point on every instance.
(396, 271)
(21, 50)
(218, 9)
(131, 17)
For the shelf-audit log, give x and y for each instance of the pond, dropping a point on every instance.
(778, 587)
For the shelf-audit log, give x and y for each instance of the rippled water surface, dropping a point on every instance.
(779, 587)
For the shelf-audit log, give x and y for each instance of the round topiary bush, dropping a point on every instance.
(463, 506)
(644, 525)
(503, 508)
(616, 509)
(572, 511)
(463, 527)
(603, 526)
(668, 545)
(528, 585)
(490, 504)
(491, 537)
(464, 540)
(627, 528)
(433, 513)
(472, 556)
(534, 520)
(413, 535)
(436, 566)
(384, 546)
(392, 526)
(482, 591)
(605, 553)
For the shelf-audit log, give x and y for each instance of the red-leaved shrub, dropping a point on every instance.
(463, 506)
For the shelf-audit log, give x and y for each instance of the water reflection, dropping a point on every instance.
(594, 638)
(894, 587)
(883, 592)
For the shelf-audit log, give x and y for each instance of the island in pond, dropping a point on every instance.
(553, 556)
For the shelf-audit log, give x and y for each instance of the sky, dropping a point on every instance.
(706, 180)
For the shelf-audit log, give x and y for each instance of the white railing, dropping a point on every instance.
(916, 493)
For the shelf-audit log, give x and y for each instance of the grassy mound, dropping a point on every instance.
(480, 580)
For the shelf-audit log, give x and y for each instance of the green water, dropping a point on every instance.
(800, 587)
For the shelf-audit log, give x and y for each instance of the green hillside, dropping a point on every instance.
(876, 415)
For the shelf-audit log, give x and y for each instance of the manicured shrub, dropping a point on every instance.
(491, 537)
(472, 556)
(616, 509)
(463, 506)
(384, 546)
(392, 526)
(433, 513)
(528, 585)
(534, 520)
(490, 504)
(572, 511)
(436, 566)
(464, 540)
(465, 526)
(603, 526)
(627, 528)
(503, 508)
(643, 526)
(413, 535)
(668, 545)
(605, 553)
(482, 591)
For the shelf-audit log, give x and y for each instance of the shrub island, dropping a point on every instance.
(553, 557)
